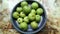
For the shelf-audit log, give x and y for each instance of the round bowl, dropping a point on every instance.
(30, 30)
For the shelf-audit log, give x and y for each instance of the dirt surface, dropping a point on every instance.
(52, 8)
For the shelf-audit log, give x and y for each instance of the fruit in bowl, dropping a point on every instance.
(34, 25)
(16, 15)
(31, 16)
(22, 14)
(19, 20)
(39, 11)
(38, 18)
(19, 9)
(26, 19)
(26, 9)
(34, 5)
(23, 26)
(24, 3)
(33, 11)
(28, 15)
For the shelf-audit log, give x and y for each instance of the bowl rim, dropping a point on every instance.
(34, 31)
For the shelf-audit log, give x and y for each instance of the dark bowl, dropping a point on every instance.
(30, 30)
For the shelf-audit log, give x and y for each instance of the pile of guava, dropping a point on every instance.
(28, 14)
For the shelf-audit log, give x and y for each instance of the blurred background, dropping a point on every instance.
(52, 8)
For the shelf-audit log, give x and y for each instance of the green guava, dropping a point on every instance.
(19, 9)
(19, 20)
(22, 14)
(26, 19)
(26, 9)
(24, 3)
(23, 26)
(33, 11)
(38, 18)
(39, 11)
(16, 15)
(34, 25)
(31, 16)
(35, 5)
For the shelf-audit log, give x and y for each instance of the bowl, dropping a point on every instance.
(30, 30)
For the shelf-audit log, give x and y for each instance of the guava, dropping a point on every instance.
(34, 25)
(26, 19)
(23, 26)
(38, 18)
(20, 20)
(39, 11)
(19, 9)
(31, 16)
(35, 5)
(26, 9)
(24, 3)
(22, 14)
(33, 11)
(16, 15)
